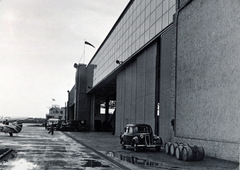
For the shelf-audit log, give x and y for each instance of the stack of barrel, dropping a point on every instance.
(185, 152)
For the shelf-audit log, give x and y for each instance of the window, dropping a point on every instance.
(130, 130)
(126, 129)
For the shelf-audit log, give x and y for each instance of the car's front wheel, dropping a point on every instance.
(135, 147)
(123, 145)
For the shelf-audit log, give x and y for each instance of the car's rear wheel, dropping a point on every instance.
(135, 148)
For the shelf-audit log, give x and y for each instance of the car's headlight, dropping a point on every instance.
(155, 137)
(142, 136)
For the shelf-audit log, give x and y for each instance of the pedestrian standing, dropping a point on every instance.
(51, 130)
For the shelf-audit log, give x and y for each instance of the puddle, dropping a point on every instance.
(93, 163)
(138, 161)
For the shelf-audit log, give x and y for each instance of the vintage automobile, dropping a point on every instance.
(73, 125)
(140, 136)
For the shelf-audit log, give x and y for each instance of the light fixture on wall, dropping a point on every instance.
(75, 65)
(119, 62)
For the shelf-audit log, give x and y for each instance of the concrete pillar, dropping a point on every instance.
(107, 109)
(92, 117)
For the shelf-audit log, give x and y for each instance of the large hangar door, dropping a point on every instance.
(136, 90)
(166, 85)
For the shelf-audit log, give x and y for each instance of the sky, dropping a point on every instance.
(40, 41)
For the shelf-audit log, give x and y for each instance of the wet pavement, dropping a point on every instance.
(34, 148)
(109, 145)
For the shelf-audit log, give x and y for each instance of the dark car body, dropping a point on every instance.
(73, 125)
(140, 136)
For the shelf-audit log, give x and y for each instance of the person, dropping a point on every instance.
(45, 124)
(51, 130)
(7, 123)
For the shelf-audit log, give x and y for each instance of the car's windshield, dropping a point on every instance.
(142, 129)
(54, 121)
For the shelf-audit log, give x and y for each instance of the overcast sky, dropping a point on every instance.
(40, 40)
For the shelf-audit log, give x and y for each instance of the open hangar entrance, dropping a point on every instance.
(103, 105)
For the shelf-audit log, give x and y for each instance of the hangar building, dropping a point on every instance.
(173, 64)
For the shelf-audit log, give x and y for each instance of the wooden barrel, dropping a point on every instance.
(193, 153)
(167, 147)
(173, 147)
(200, 154)
(179, 151)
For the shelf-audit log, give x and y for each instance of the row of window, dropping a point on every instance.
(61, 112)
(141, 22)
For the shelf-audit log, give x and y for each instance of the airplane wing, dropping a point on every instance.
(11, 128)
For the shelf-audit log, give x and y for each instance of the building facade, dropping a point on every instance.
(173, 65)
(57, 112)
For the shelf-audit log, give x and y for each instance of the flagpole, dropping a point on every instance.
(84, 52)
(83, 55)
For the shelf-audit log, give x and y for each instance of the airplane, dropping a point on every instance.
(10, 127)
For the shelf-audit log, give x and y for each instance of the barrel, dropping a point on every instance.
(173, 147)
(179, 151)
(193, 153)
(200, 154)
(167, 147)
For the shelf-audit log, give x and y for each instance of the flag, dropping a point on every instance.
(53, 99)
(89, 44)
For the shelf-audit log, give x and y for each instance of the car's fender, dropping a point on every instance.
(135, 139)
(157, 139)
(121, 139)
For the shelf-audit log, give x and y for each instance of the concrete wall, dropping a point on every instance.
(136, 95)
(71, 103)
(72, 96)
(83, 103)
(208, 76)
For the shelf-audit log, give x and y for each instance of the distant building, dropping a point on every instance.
(56, 112)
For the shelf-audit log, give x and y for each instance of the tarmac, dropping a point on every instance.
(108, 146)
(73, 149)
